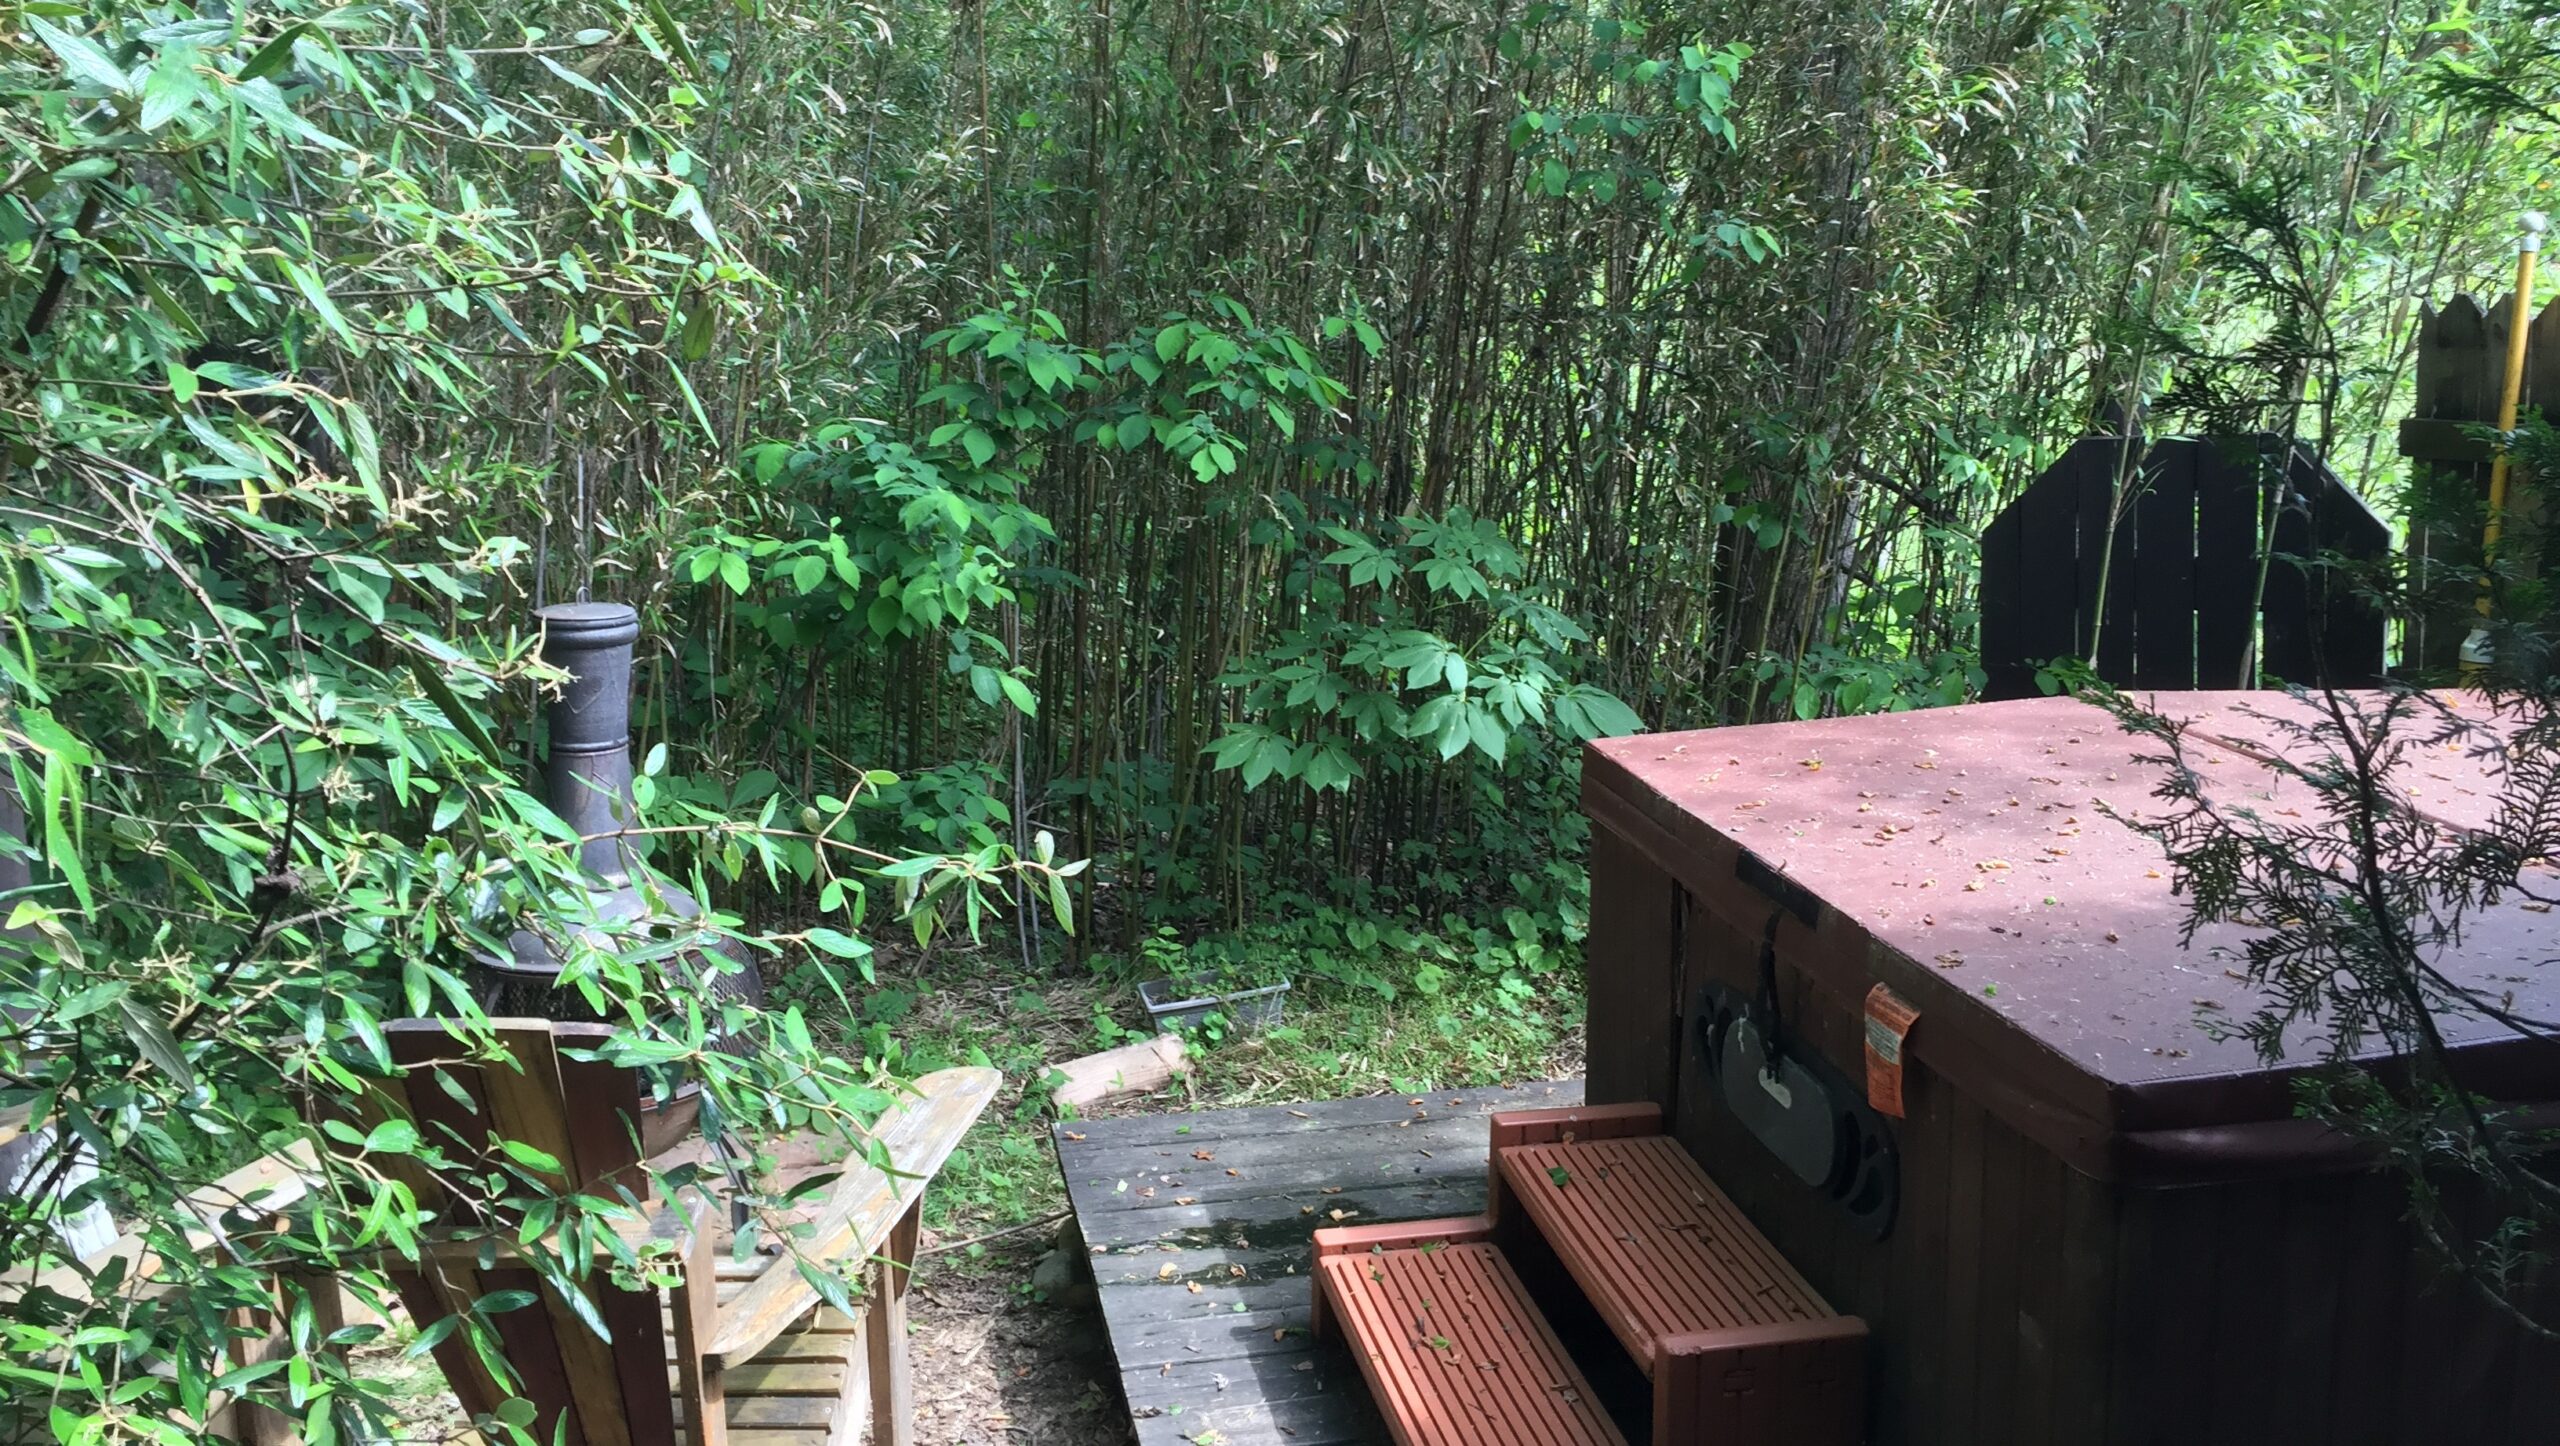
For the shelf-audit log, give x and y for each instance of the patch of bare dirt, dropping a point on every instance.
(992, 1367)
(995, 1368)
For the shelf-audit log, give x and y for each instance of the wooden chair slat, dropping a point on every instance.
(639, 1339)
(525, 1103)
(532, 1349)
(919, 1135)
(893, 1396)
(752, 1360)
(457, 1128)
(603, 1119)
(701, 1389)
(781, 1413)
(594, 1379)
(429, 1295)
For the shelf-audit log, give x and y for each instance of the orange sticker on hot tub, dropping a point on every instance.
(1889, 1018)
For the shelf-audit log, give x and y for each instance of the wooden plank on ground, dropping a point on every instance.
(1354, 1161)
(1341, 1416)
(1233, 1356)
(1315, 1118)
(1132, 1069)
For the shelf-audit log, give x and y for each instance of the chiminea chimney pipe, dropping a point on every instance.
(589, 771)
(590, 763)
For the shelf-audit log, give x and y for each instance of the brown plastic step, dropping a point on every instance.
(1739, 1348)
(1454, 1352)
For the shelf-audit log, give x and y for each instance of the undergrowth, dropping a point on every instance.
(1410, 1009)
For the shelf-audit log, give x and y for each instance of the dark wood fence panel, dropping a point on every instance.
(2164, 588)
(2226, 565)
(2289, 640)
(2002, 610)
(2459, 366)
(2048, 571)
(2174, 612)
(2351, 631)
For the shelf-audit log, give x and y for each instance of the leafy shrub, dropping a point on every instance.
(266, 662)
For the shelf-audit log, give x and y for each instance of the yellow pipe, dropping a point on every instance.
(2475, 649)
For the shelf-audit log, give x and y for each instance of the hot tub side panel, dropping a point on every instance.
(2019, 1300)
(1992, 1297)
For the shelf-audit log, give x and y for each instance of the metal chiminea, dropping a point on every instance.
(590, 759)
(589, 787)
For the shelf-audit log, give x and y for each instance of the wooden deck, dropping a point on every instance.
(1201, 1228)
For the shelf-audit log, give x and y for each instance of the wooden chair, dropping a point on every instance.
(238, 1203)
(753, 1358)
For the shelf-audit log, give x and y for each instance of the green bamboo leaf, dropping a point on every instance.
(84, 61)
(150, 1034)
(843, 946)
(531, 1157)
(572, 77)
(430, 1337)
(90, 1000)
(62, 795)
(392, 1137)
(173, 87)
(692, 403)
(272, 56)
(308, 283)
(1061, 904)
(671, 35)
(462, 719)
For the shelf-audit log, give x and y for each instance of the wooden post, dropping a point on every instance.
(893, 1393)
(697, 1300)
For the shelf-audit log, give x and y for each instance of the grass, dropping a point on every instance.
(1493, 1020)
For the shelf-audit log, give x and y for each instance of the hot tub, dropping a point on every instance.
(2092, 1220)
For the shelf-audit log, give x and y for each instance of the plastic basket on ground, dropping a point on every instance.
(1175, 1004)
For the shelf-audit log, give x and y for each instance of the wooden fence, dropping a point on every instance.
(2176, 613)
(2460, 361)
(2458, 366)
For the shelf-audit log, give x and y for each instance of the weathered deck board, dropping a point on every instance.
(1232, 1356)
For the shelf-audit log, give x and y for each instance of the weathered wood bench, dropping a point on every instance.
(741, 1350)
(1737, 1349)
(743, 1353)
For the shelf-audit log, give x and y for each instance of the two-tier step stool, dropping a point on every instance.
(1737, 1349)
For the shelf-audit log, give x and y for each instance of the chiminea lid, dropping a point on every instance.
(582, 625)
